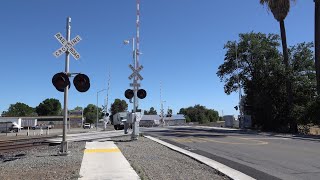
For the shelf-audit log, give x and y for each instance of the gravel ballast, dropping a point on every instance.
(42, 162)
(154, 161)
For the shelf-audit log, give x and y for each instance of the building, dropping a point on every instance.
(56, 121)
(149, 121)
(154, 120)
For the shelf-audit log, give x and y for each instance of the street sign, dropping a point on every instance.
(67, 46)
(135, 72)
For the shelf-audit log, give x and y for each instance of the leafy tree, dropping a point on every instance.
(49, 107)
(199, 114)
(78, 108)
(280, 10)
(152, 111)
(118, 106)
(259, 69)
(90, 113)
(304, 81)
(19, 109)
(263, 78)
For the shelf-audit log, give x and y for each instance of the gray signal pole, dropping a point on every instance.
(135, 129)
(64, 143)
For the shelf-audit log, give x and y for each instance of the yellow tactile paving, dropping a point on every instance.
(109, 150)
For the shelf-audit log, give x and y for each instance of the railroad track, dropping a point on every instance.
(19, 144)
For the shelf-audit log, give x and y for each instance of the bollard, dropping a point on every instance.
(28, 131)
(34, 133)
(41, 131)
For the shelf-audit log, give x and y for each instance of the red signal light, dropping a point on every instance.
(60, 81)
(81, 82)
(129, 93)
(141, 93)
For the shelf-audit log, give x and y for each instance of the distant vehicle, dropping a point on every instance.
(42, 126)
(15, 127)
(86, 126)
(51, 124)
(119, 119)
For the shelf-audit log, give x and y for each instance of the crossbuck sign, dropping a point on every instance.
(67, 46)
(135, 72)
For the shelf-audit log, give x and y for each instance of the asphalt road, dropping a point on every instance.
(261, 156)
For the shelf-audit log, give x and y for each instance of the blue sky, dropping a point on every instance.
(181, 41)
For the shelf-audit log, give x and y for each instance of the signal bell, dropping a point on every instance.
(141, 93)
(60, 81)
(81, 82)
(129, 94)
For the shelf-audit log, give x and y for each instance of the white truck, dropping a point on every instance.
(118, 120)
(10, 124)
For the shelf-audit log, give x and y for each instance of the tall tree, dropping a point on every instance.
(152, 111)
(78, 108)
(262, 75)
(280, 10)
(199, 114)
(49, 107)
(19, 109)
(259, 69)
(90, 113)
(118, 106)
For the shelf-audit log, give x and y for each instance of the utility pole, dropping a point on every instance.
(161, 103)
(106, 106)
(98, 108)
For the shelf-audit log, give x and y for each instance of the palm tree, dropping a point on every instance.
(280, 10)
(317, 41)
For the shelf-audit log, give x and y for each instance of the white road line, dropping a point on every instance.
(271, 138)
(232, 173)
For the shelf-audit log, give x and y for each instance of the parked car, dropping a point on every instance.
(86, 126)
(41, 126)
(51, 124)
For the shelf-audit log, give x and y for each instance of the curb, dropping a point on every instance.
(231, 173)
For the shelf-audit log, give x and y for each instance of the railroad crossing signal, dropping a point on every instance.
(141, 93)
(129, 93)
(60, 81)
(81, 82)
(135, 72)
(67, 46)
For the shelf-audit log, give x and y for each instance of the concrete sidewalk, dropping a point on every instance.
(104, 160)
